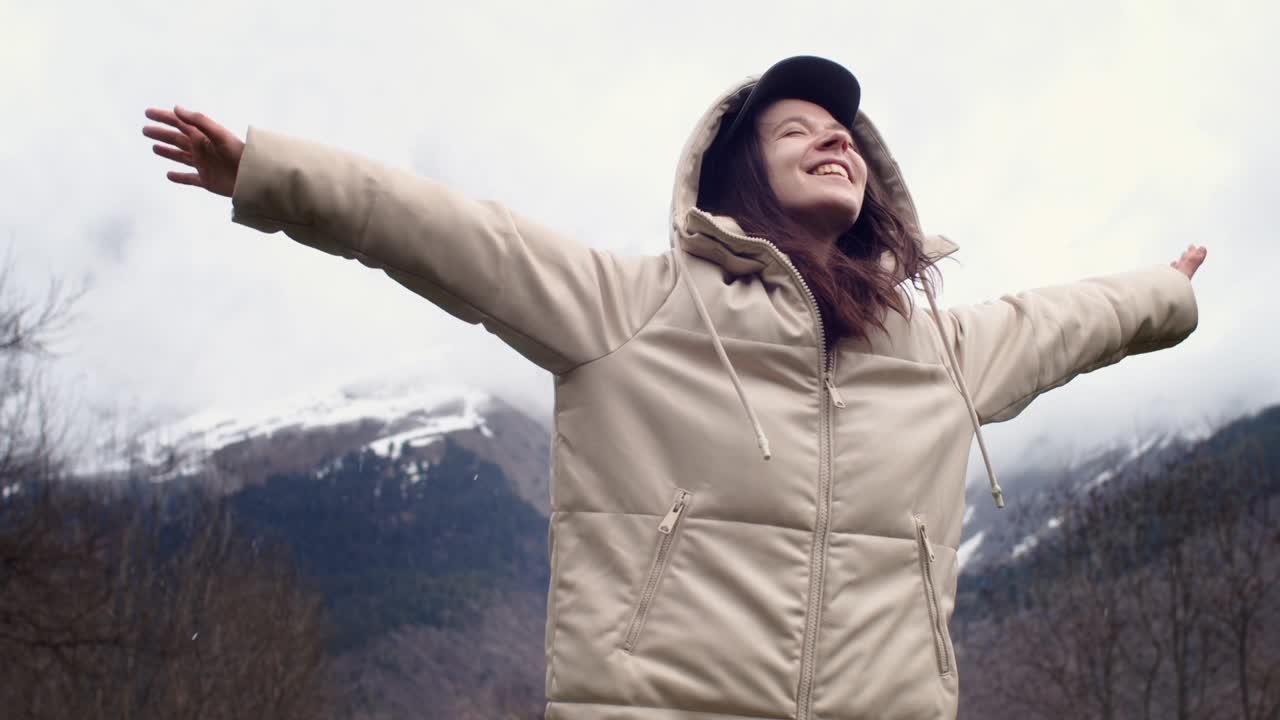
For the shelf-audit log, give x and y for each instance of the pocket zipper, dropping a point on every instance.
(667, 528)
(931, 596)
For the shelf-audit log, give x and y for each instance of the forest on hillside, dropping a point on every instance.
(1154, 595)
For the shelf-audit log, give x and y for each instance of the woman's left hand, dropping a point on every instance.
(1190, 260)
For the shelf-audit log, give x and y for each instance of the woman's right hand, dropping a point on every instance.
(198, 142)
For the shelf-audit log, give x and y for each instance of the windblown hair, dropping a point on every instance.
(854, 292)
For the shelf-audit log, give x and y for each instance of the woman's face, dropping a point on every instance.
(812, 166)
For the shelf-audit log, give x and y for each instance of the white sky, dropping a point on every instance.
(1052, 141)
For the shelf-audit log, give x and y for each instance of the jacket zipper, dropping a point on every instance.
(931, 597)
(666, 528)
(831, 384)
(818, 555)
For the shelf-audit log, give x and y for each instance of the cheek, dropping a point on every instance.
(783, 182)
(777, 173)
(862, 165)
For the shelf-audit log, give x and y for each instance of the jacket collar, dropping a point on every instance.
(719, 239)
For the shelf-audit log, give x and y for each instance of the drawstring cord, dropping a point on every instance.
(996, 492)
(761, 440)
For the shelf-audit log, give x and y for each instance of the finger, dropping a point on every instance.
(185, 178)
(196, 134)
(170, 136)
(176, 155)
(168, 117)
(206, 124)
(162, 115)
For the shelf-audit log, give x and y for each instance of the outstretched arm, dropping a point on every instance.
(1016, 348)
(556, 301)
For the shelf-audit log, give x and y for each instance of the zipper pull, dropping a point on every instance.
(677, 508)
(924, 537)
(835, 394)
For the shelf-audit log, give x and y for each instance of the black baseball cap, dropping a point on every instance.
(803, 77)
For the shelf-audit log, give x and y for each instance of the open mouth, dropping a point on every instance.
(831, 169)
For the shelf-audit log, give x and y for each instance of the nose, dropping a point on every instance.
(836, 140)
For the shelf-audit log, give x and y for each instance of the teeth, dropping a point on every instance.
(830, 169)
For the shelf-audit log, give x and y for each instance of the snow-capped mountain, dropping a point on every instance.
(299, 433)
(387, 417)
(987, 536)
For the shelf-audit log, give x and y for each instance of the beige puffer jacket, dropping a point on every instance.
(746, 523)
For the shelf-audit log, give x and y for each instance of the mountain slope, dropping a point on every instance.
(295, 435)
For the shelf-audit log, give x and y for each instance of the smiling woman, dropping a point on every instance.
(797, 178)
(801, 141)
(699, 569)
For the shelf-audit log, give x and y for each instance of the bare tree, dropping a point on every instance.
(1241, 590)
(114, 610)
(29, 431)
(1153, 596)
(1058, 643)
(119, 604)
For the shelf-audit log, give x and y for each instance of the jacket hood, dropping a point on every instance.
(720, 240)
(695, 229)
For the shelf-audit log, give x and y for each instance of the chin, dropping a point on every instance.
(845, 214)
(828, 209)
(857, 213)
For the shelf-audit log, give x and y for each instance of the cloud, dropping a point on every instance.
(112, 236)
(1051, 143)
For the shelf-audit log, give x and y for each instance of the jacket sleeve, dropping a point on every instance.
(1013, 349)
(556, 301)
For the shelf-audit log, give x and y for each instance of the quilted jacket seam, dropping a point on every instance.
(1038, 389)
(687, 519)
(666, 298)
(368, 218)
(730, 338)
(669, 709)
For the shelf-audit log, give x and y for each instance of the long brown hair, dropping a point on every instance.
(854, 292)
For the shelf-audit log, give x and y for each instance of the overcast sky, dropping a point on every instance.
(1052, 141)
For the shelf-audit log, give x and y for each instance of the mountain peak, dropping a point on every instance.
(413, 409)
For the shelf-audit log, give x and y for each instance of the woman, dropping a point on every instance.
(799, 563)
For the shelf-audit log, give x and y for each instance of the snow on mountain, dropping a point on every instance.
(1141, 445)
(969, 548)
(989, 528)
(1109, 473)
(1030, 541)
(430, 410)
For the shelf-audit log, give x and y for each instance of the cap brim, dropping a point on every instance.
(804, 77)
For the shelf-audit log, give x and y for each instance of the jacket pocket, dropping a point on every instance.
(668, 530)
(925, 551)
